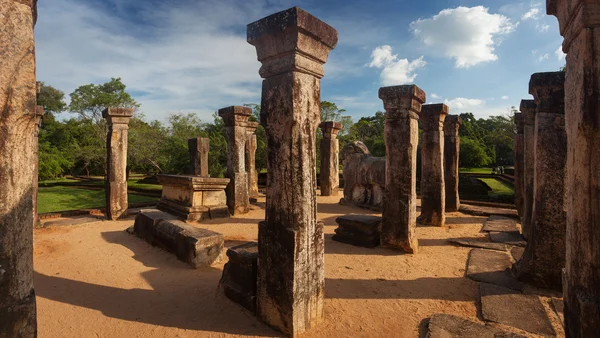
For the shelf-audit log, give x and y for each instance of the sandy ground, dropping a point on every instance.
(95, 280)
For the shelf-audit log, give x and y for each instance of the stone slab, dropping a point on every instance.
(480, 244)
(365, 224)
(240, 275)
(356, 238)
(510, 238)
(517, 252)
(487, 211)
(72, 221)
(195, 246)
(491, 267)
(500, 224)
(559, 307)
(512, 308)
(447, 326)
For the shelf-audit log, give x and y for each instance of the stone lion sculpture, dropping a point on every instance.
(364, 177)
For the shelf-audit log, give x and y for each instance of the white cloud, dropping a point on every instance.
(505, 97)
(435, 96)
(464, 104)
(543, 57)
(394, 71)
(534, 51)
(465, 34)
(533, 13)
(536, 14)
(560, 55)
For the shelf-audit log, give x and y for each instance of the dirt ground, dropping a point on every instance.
(96, 280)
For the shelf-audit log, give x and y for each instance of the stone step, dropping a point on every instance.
(240, 275)
(492, 267)
(500, 224)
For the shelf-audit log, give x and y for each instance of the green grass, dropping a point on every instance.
(133, 184)
(54, 199)
(498, 187)
(58, 180)
(475, 170)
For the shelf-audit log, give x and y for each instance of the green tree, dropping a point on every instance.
(52, 99)
(146, 141)
(472, 154)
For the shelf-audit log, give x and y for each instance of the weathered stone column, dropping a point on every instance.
(433, 188)
(330, 163)
(544, 256)
(17, 169)
(251, 159)
(578, 22)
(39, 113)
(115, 185)
(292, 46)
(235, 119)
(199, 148)
(518, 148)
(403, 106)
(451, 160)
(528, 109)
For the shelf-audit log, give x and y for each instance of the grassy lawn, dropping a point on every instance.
(498, 187)
(132, 183)
(58, 180)
(475, 170)
(53, 199)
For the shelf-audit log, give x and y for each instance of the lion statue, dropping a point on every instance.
(364, 177)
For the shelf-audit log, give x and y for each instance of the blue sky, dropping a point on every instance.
(192, 55)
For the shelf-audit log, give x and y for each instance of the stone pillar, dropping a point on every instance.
(39, 113)
(451, 161)
(433, 188)
(330, 164)
(292, 46)
(17, 170)
(528, 109)
(115, 184)
(518, 148)
(403, 106)
(235, 119)
(544, 256)
(199, 148)
(251, 159)
(578, 21)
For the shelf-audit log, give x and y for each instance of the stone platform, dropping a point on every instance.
(358, 230)
(193, 198)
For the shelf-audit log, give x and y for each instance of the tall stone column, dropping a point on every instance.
(528, 109)
(330, 163)
(578, 21)
(115, 185)
(17, 170)
(433, 189)
(292, 46)
(451, 160)
(518, 148)
(251, 159)
(403, 106)
(544, 256)
(235, 119)
(199, 148)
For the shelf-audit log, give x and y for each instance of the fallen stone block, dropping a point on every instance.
(512, 308)
(446, 326)
(517, 252)
(358, 230)
(197, 247)
(492, 267)
(356, 239)
(510, 238)
(480, 244)
(240, 275)
(500, 224)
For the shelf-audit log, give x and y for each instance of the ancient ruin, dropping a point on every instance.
(402, 105)
(364, 177)
(528, 109)
(433, 189)
(578, 21)
(451, 156)
(518, 149)
(17, 170)
(544, 256)
(292, 46)
(235, 119)
(330, 166)
(199, 148)
(251, 160)
(115, 185)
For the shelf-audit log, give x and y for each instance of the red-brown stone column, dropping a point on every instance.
(402, 105)
(330, 163)
(580, 25)
(292, 46)
(528, 109)
(236, 118)
(115, 185)
(199, 148)
(518, 148)
(451, 158)
(433, 189)
(251, 159)
(17, 170)
(544, 256)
